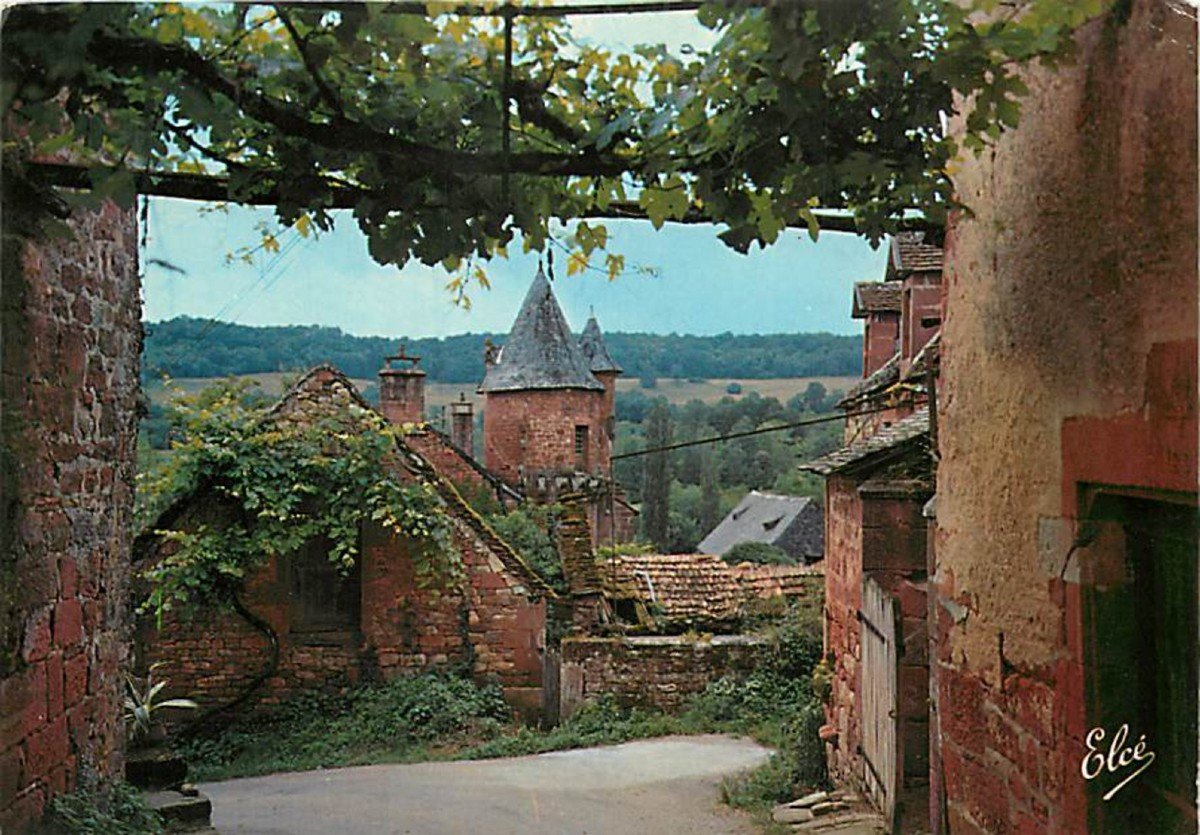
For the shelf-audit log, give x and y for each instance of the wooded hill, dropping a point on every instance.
(189, 347)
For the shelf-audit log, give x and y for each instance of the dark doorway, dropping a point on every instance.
(1142, 636)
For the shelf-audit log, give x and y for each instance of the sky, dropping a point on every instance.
(698, 285)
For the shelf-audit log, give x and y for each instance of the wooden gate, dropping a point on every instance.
(880, 627)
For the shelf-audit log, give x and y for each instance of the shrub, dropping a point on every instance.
(393, 721)
(759, 553)
(117, 811)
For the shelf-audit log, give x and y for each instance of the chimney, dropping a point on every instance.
(402, 389)
(462, 424)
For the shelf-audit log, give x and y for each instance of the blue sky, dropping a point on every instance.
(702, 287)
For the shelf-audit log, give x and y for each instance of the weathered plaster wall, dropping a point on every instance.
(72, 340)
(1071, 301)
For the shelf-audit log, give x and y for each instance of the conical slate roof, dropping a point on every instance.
(540, 352)
(592, 343)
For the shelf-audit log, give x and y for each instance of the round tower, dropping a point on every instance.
(544, 418)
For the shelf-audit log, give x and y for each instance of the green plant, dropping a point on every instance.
(760, 553)
(272, 482)
(142, 703)
(119, 810)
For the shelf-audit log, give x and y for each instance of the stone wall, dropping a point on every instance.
(71, 345)
(875, 529)
(489, 620)
(650, 672)
(1069, 362)
(527, 432)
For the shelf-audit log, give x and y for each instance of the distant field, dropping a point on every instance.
(675, 390)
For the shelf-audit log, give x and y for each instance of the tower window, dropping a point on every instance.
(581, 447)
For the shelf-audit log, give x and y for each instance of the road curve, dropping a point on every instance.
(666, 785)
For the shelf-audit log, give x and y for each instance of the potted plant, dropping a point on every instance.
(150, 763)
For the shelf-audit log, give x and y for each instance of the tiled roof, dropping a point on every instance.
(886, 375)
(540, 352)
(910, 254)
(885, 441)
(592, 343)
(875, 297)
(696, 588)
(761, 581)
(771, 518)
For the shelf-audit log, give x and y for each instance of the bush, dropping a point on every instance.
(394, 721)
(118, 811)
(759, 553)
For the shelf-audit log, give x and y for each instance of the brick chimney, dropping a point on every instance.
(402, 389)
(462, 424)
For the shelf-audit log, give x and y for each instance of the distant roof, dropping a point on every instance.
(592, 343)
(540, 352)
(881, 444)
(685, 587)
(911, 254)
(875, 297)
(762, 581)
(773, 519)
(883, 376)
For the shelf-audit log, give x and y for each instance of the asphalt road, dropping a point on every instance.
(651, 787)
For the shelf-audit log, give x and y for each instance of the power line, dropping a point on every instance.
(748, 433)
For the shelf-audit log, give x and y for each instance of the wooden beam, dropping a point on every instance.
(213, 189)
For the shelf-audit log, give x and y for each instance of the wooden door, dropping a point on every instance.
(880, 627)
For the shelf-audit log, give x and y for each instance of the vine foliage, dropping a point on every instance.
(445, 151)
(243, 483)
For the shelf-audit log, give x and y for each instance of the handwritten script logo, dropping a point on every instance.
(1118, 757)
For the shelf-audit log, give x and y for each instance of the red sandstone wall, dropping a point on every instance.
(1068, 356)
(536, 430)
(213, 657)
(921, 301)
(881, 331)
(843, 597)
(71, 329)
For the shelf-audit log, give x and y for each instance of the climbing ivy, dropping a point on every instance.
(243, 483)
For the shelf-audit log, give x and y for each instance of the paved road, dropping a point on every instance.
(641, 788)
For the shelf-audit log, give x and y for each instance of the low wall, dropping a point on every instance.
(650, 671)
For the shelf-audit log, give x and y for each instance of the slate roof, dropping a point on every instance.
(910, 254)
(697, 588)
(592, 343)
(881, 444)
(885, 375)
(875, 297)
(793, 523)
(540, 352)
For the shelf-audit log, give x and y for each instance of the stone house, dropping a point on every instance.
(1065, 592)
(299, 623)
(794, 524)
(1049, 589)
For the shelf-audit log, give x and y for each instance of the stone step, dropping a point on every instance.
(181, 812)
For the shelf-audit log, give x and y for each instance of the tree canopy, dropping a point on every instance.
(450, 131)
